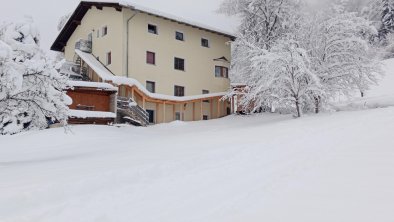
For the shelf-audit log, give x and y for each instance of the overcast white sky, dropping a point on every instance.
(46, 13)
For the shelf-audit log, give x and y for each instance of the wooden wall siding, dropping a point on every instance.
(101, 100)
(98, 121)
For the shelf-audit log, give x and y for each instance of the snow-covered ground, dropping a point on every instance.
(331, 167)
(327, 168)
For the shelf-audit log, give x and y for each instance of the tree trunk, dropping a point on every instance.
(298, 108)
(317, 105)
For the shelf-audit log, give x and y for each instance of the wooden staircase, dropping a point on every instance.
(129, 112)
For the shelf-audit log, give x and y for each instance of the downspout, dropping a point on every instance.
(127, 43)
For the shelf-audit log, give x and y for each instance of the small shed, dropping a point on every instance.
(93, 103)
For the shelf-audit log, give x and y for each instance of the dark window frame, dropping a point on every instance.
(205, 42)
(148, 58)
(179, 64)
(153, 86)
(104, 31)
(152, 29)
(151, 115)
(177, 37)
(223, 72)
(179, 91)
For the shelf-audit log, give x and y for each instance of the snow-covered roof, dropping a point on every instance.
(132, 82)
(84, 6)
(106, 75)
(94, 64)
(173, 17)
(97, 85)
(90, 114)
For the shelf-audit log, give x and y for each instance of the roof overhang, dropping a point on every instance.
(84, 6)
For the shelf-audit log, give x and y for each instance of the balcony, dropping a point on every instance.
(84, 45)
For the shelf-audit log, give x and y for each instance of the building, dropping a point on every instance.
(93, 103)
(172, 68)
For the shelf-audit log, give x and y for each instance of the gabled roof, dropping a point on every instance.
(83, 7)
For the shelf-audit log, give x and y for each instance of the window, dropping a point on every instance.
(109, 58)
(152, 29)
(90, 37)
(178, 116)
(151, 58)
(204, 42)
(179, 91)
(179, 36)
(151, 86)
(179, 64)
(204, 117)
(104, 31)
(151, 114)
(98, 33)
(221, 71)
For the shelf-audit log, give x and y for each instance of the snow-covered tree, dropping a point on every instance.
(62, 21)
(31, 91)
(282, 78)
(344, 60)
(381, 13)
(336, 41)
(60, 57)
(262, 23)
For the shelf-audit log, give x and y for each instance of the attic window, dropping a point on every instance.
(152, 29)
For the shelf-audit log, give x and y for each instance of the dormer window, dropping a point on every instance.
(152, 29)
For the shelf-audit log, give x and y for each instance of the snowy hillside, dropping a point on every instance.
(379, 96)
(386, 85)
(326, 168)
(332, 167)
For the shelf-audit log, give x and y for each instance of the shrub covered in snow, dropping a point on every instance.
(31, 91)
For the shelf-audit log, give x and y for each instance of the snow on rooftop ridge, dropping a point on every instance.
(106, 75)
(132, 82)
(90, 114)
(173, 17)
(99, 85)
(132, 5)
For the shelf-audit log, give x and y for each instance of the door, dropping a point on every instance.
(151, 114)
